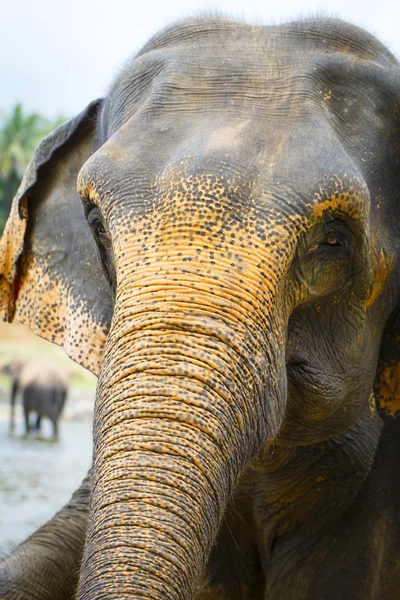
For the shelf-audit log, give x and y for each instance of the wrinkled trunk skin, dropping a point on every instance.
(180, 410)
(192, 382)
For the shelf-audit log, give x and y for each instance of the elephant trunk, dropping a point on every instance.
(183, 403)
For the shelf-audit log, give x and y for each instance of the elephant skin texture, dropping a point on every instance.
(217, 239)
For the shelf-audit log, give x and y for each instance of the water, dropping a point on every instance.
(37, 476)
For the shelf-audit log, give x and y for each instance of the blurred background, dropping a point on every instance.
(55, 57)
(38, 473)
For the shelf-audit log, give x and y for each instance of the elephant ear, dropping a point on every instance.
(50, 275)
(387, 381)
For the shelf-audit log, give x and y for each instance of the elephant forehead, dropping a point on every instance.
(227, 136)
(262, 73)
(300, 168)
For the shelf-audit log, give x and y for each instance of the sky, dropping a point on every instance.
(58, 55)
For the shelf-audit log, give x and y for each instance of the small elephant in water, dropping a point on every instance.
(43, 386)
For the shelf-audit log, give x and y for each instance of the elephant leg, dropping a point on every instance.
(46, 565)
(55, 405)
(38, 422)
(14, 390)
(27, 424)
(55, 428)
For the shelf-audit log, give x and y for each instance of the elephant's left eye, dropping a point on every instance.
(96, 224)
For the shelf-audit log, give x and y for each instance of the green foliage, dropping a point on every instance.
(20, 133)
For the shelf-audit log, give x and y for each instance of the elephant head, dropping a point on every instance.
(240, 186)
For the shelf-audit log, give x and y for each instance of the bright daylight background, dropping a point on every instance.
(58, 55)
(55, 57)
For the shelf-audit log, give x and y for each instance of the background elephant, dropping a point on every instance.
(241, 185)
(43, 387)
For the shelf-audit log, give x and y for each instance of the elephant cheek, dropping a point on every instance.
(176, 421)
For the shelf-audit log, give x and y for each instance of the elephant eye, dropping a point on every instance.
(336, 234)
(333, 240)
(96, 225)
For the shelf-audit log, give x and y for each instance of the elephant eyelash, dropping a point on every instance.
(95, 222)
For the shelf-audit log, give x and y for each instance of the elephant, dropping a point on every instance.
(44, 388)
(218, 240)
